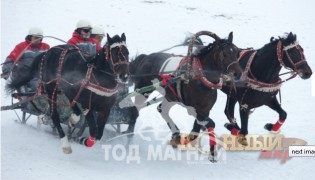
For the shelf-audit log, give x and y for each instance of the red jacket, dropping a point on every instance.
(85, 44)
(30, 51)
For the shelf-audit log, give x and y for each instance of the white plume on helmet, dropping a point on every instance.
(98, 30)
(35, 31)
(84, 24)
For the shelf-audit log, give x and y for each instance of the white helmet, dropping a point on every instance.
(98, 31)
(35, 31)
(84, 24)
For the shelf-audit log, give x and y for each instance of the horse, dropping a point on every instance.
(89, 81)
(262, 75)
(199, 91)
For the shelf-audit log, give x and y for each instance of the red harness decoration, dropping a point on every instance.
(165, 83)
(195, 71)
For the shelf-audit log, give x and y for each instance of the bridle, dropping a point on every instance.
(284, 49)
(122, 60)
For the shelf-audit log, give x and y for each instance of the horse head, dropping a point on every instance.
(225, 55)
(118, 56)
(291, 56)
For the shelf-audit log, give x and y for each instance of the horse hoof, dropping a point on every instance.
(190, 139)
(128, 133)
(175, 141)
(212, 159)
(67, 150)
(242, 139)
(268, 126)
(233, 128)
(88, 142)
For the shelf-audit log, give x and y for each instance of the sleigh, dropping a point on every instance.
(26, 104)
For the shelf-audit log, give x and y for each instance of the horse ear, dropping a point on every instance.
(272, 38)
(109, 40)
(123, 37)
(230, 39)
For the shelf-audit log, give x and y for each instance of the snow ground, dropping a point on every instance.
(150, 26)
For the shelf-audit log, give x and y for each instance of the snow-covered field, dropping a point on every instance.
(150, 26)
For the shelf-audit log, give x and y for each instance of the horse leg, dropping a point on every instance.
(164, 109)
(89, 142)
(134, 115)
(56, 121)
(139, 100)
(101, 122)
(205, 120)
(75, 116)
(274, 104)
(244, 113)
(229, 112)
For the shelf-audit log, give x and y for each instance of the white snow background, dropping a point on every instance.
(150, 26)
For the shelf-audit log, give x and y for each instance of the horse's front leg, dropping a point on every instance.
(101, 122)
(164, 109)
(244, 113)
(274, 104)
(229, 112)
(89, 142)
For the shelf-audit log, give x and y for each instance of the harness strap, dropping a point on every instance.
(61, 59)
(84, 82)
(166, 83)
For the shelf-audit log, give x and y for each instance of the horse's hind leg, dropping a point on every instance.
(203, 119)
(56, 121)
(229, 112)
(274, 104)
(164, 109)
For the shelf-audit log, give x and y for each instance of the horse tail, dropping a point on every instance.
(28, 74)
(133, 66)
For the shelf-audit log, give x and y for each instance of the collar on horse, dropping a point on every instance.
(194, 70)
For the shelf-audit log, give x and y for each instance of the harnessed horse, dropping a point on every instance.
(261, 72)
(203, 76)
(90, 81)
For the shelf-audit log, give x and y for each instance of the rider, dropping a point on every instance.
(23, 55)
(98, 34)
(81, 38)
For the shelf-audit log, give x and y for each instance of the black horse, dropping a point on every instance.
(261, 71)
(90, 81)
(216, 59)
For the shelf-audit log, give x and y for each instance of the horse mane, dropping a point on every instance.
(135, 62)
(204, 51)
(287, 39)
(101, 62)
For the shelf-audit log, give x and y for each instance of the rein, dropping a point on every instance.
(255, 84)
